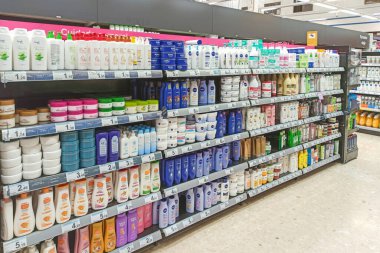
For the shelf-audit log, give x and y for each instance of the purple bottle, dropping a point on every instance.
(132, 225)
(113, 145)
(121, 230)
(101, 148)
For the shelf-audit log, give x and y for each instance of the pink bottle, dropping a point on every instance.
(63, 243)
(84, 241)
(148, 222)
(140, 216)
(76, 242)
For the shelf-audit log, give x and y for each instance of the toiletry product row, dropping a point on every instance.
(363, 118)
(42, 209)
(369, 73)
(369, 86)
(370, 102)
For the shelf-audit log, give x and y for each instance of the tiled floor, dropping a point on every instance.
(335, 210)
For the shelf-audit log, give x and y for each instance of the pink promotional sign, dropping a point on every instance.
(64, 29)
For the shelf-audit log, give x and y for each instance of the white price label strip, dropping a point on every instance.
(148, 158)
(127, 248)
(105, 168)
(144, 74)
(18, 188)
(135, 117)
(75, 175)
(109, 121)
(122, 74)
(15, 133)
(96, 74)
(124, 207)
(205, 214)
(15, 244)
(126, 163)
(70, 226)
(151, 198)
(187, 222)
(98, 216)
(203, 180)
(64, 127)
(62, 75)
(171, 230)
(146, 241)
(13, 76)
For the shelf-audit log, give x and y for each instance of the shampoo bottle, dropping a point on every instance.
(24, 219)
(63, 243)
(184, 103)
(199, 199)
(97, 242)
(38, 50)
(211, 92)
(6, 49)
(134, 182)
(132, 225)
(163, 214)
(61, 58)
(177, 170)
(145, 186)
(121, 187)
(70, 52)
(148, 208)
(100, 194)
(121, 230)
(184, 168)
(109, 235)
(53, 52)
(21, 49)
(207, 195)
(49, 247)
(171, 210)
(45, 215)
(190, 201)
(199, 169)
(83, 241)
(202, 93)
(155, 209)
(81, 198)
(193, 93)
(192, 166)
(155, 176)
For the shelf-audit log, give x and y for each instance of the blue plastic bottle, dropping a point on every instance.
(141, 142)
(224, 123)
(211, 92)
(225, 157)
(153, 140)
(219, 125)
(177, 170)
(169, 96)
(238, 121)
(163, 96)
(113, 145)
(206, 162)
(169, 172)
(211, 151)
(192, 166)
(134, 89)
(199, 171)
(202, 93)
(147, 141)
(101, 147)
(218, 160)
(184, 95)
(185, 168)
(231, 123)
(151, 91)
(176, 95)
(236, 150)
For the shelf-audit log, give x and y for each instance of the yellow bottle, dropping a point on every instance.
(109, 235)
(293, 82)
(280, 85)
(297, 86)
(300, 160)
(287, 86)
(97, 243)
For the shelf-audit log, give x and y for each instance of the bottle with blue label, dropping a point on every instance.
(134, 89)
(199, 170)
(141, 142)
(206, 163)
(224, 123)
(163, 96)
(199, 199)
(236, 150)
(147, 141)
(185, 168)
(190, 201)
(176, 95)
(226, 156)
(214, 194)
(169, 172)
(211, 92)
(163, 217)
(211, 152)
(192, 166)
(169, 96)
(219, 125)
(184, 103)
(177, 170)
(231, 123)
(218, 160)
(238, 121)
(207, 195)
(203, 93)
(153, 140)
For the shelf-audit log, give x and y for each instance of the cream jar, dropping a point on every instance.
(43, 114)
(28, 117)
(7, 121)
(7, 106)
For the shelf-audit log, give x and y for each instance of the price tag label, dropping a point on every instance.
(64, 127)
(222, 140)
(75, 175)
(62, 75)
(122, 74)
(124, 207)
(70, 226)
(229, 105)
(14, 133)
(152, 198)
(148, 158)
(186, 149)
(187, 222)
(171, 152)
(205, 214)
(136, 117)
(227, 171)
(146, 241)
(320, 96)
(236, 137)
(15, 244)
(18, 188)
(192, 72)
(105, 168)
(173, 113)
(275, 183)
(171, 230)
(98, 216)
(213, 108)
(203, 180)
(171, 191)
(15, 76)
(127, 248)
(110, 121)
(223, 205)
(126, 163)
(227, 72)
(96, 74)
(193, 110)
(144, 74)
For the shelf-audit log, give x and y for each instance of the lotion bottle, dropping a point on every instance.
(62, 203)
(155, 177)
(109, 235)
(24, 219)
(97, 242)
(81, 198)
(61, 54)
(50, 247)
(6, 49)
(194, 93)
(121, 187)
(21, 49)
(145, 180)
(45, 215)
(163, 214)
(53, 52)
(38, 50)
(70, 52)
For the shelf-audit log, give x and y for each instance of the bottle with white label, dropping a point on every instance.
(81, 198)
(134, 182)
(45, 215)
(94, 57)
(145, 186)
(130, 52)
(147, 55)
(121, 187)
(5, 49)
(38, 50)
(100, 194)
(24, 219)
(104, 53)
(52, 52)
(163, 214)
(124, 148)
(141, 142)
(70, 52)
(139, 53)
(199, 199)
(114, 55)
(133, 145)
(62, 203)
(49, 247)
(194, 93)
(123, 54)
(171, 210)
(21, 49)
(153, 140)
(188, 55)
(147, 142)
(190, 201)
(155, 177)
(109, 186)
(61, 58)
(6, 219)
(211, 92)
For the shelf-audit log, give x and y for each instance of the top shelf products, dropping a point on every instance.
(24, 50)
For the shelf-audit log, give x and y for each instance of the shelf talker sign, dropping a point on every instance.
(312, 38)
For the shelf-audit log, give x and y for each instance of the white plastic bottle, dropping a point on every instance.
(172, 210)
(38, 50)
(94, 57)
(207, 195)
(81, 198)
(82, 53)
(195, 56)
(141, 142)
(6, 219)
(153, 140)
(147, 54)
(130, 51)
(205, 57)
(211, 93)
(121, 187)
(253, 88)
(155, 181)
(229, 57)
(199, 199)
(123, 55)
(20, 49)
(5, 49)
(188, 55)
(114, 55)
(70, 52)
(254, 58)
(109, 186)
(61, 58)
(163, 214)
(145, 185)
(134, 182)
(190, 201)
(139, 53)
(133, 145)
(24, 219)
(147, 141)
(50, 247)
(124, 148)
(52, 52)
(62, 203)
(194, 93)
(100, 194)
(243, 91)
(45, 215)
(104, 53)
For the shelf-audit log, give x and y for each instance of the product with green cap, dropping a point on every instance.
(130, 107)
(105, 112)
(105, 103)
(118, 102)
(152, 105)
(117, 111)
(142, 106)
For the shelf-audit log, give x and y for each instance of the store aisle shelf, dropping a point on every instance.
(365, 92)
(369, 109)
(321, 140)
(205, 179)
(53, 128)
(351, 131)
(376, 79)
(371, 130)
(61, 75)
(207, 108)
(78, 222)
(320, 164)
(48, 181)
(178, 226)
(204, 144)
(140, 243)
(369, 65)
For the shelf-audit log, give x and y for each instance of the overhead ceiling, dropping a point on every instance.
(359, 15)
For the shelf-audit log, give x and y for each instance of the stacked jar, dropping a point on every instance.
(105, 107)
(87, 150)
(168, 55)
(118, 106)
(10, 162)
(7, 113)
(90, 108)
(162, 133)
(181, 130)
(31, 157)
(74, 109)
(51, 153)
(172, 132)
(70, 151)
(226, 89)
(58, 111)
(181, 61)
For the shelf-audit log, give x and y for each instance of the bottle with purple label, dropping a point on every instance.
(163, 219)
(199, 199)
